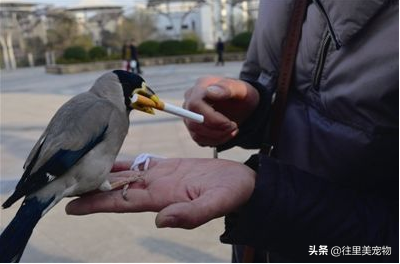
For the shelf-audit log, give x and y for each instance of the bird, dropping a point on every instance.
(75, 153)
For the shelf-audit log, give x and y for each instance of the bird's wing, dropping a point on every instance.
(35, 149)
(77, 127)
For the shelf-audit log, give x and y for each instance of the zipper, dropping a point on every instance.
(328, 21)
(322, 53)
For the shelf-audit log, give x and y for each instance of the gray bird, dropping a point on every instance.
(74, 154)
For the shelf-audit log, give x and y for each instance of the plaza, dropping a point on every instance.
(30, 97)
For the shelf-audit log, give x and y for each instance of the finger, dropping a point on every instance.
(123, 174)
(207, 141)
(216, 93)
(192, 214)
(121, 165)
(207, 131)
(212, 135)
(138, 200)
(212, 118)
(226, 89)
(222, 129)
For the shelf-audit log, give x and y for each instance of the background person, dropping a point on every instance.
(126, 56)
(134, 57)
(219, 47)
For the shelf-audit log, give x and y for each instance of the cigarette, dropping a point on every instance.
(169, 108)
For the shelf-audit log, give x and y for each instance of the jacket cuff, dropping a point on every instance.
(248, 225)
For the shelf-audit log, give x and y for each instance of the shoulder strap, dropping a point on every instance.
(285, 73)
(284, 79)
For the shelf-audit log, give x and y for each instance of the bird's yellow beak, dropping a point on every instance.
(149, 93)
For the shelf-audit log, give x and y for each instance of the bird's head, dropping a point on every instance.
(134, 84)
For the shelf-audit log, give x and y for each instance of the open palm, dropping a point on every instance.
(186, 192)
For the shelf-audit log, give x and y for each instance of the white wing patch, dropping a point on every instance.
(50, 177)
(41, 141)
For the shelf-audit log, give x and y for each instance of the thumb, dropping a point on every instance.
(181, 215)
(228, 89)
(217, 92)
(191, 214)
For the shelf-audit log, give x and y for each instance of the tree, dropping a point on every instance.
(63, 31)
(36, 46)
(111, 40)
(84, 41)
(139, 25)
(145, 25)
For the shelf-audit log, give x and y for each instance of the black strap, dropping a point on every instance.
(285, 74)
(283, 84)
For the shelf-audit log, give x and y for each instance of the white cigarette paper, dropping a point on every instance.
(169, 108)
(172, 109)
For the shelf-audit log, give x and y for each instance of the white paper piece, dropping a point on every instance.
(143, 158)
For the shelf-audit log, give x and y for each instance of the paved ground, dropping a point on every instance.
(29, 97)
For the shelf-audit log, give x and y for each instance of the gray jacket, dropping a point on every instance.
(344, 101)
(340, 129)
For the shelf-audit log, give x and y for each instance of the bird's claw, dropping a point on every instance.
(138, 176)
(138, 168)
(130, 180)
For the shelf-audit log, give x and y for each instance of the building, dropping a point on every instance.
(207, 19)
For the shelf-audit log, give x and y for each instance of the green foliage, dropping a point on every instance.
(111, 40)
(192, 36)
(114, 56)
(149, 48)
(242, 40)
(176, 47)
(230, 48)
(170, 47)
(188, 46)
(97, 53)
(75, 53)
(84, 41)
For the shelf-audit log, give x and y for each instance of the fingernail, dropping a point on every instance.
(168, 221)
(234, 125)
(235, 132)
(216, 90)
(69, 209)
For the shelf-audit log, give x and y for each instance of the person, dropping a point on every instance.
(126, 56)
(134, 62)
(330, 191)
(220, 52)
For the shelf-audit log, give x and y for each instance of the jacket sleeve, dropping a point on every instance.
(252, 131)
(291, 210)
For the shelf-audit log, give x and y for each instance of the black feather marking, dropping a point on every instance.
(57, 165)
(15, 237)
(129, 82)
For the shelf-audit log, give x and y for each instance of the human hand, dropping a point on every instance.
(225, 104)
(186, 192)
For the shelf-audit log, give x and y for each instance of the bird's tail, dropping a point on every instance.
(14, 238)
